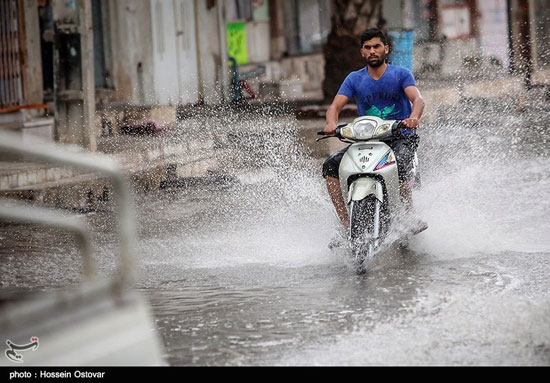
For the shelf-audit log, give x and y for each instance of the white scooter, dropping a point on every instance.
(370, 184)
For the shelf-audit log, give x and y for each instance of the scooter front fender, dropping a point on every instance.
(364, 186)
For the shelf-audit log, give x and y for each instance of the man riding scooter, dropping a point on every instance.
(385, 91)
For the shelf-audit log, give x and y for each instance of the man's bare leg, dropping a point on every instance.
(406, 195)
(333, 186)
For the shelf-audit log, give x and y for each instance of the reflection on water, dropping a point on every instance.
(238, 316)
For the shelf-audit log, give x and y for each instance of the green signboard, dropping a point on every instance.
(236, 42)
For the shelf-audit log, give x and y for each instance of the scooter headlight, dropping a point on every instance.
(382, 130)
(347, 132)
(363, 130)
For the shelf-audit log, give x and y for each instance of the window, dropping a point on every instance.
(447, 3)
(241, 10)
(307, 25)
(100, 21)
(12, 70)
(456, 19)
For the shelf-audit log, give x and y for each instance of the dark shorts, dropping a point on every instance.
(404, 149)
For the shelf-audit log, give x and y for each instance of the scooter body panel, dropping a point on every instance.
(361, 159)
(364, 186)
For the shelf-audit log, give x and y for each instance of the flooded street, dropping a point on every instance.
(238, 270)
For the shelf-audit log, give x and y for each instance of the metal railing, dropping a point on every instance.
(103, 321)
(17, 212)
(12, 144)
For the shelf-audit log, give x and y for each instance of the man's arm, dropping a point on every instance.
(417, 101)
(333, 113)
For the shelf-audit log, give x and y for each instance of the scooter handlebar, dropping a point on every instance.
(399, 129)
(325, 136)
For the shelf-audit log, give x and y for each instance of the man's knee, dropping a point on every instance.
(332, 164)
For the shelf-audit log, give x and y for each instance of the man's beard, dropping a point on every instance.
(378, 62)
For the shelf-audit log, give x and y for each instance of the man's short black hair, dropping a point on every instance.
(372, 33)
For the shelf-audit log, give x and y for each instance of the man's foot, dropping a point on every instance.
(336, 243)
(418, 226)
(339, 240)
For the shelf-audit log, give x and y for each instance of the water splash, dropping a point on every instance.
(275, 209)
(486, 181)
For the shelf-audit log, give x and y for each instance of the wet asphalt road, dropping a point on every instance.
(238, 271)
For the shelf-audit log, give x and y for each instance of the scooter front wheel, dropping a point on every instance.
(362, 256)
(362, 221)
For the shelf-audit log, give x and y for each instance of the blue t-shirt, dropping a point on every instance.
(385, 97)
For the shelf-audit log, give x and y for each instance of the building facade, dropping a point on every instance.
(69, 67)
(481, 37)
(74, 59)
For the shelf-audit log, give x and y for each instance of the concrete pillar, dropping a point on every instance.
(520, 31)
(34, 89)
(87, 133)
(224, 68)
(74, 89)
(277, 29)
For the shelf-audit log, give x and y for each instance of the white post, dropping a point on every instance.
(223, 51)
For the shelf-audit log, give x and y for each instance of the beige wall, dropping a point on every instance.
(160, 57)
(131, 42)
(209, 47)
